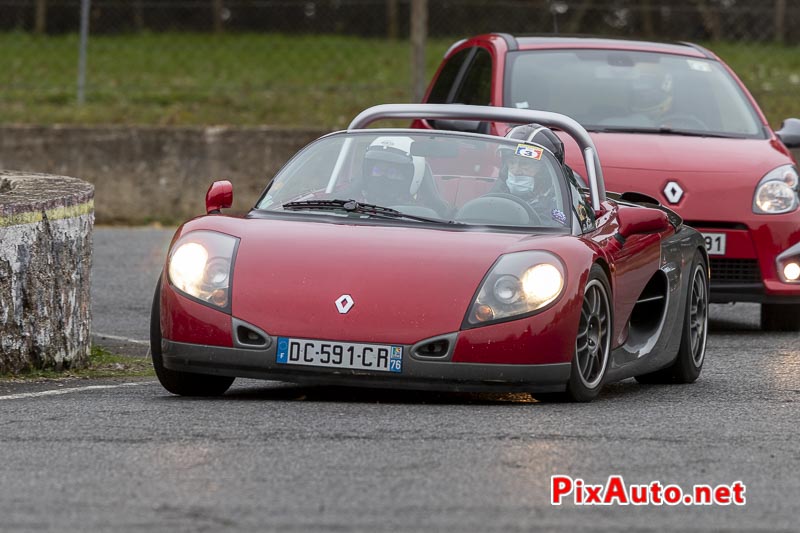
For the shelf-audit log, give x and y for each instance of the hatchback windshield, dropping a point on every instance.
(430, 177)
(622, 90)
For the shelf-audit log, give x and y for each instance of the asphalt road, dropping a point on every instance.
(126, 264)
(131, 457)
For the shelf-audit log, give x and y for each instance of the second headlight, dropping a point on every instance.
(518, 284)
(777, 192)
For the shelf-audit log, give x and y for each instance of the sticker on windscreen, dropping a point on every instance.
(531, 152)
(700, 66)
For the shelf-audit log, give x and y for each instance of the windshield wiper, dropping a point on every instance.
(352, 206)
(660, 130)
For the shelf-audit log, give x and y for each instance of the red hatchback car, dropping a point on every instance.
(669, 120)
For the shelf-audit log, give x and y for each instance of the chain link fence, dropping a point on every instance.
(318, 62)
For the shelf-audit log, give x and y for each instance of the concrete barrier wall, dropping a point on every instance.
(144, 174)
(45, 265)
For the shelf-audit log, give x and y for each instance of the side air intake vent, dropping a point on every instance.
(649, 310)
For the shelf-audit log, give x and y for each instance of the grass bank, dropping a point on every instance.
(172, 78)
(102, 364)
(256, 79)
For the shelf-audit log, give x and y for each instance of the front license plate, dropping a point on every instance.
(715, 243)
(377, 357)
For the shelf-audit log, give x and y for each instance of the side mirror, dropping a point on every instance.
(640, 220)
(219, 196)
(789, 134)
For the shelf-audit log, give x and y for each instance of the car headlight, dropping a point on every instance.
(201, 266)
(518, 284)
(777, 192)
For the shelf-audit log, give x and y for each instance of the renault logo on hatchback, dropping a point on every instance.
(673, 192)
(344, 303)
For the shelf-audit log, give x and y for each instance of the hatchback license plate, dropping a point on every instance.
(715, 243)
(376, 357)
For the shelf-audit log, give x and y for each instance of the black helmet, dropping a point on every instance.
(652, 90)
(540, 135)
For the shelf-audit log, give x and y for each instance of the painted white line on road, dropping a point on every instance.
(124, 339)
(57, 392)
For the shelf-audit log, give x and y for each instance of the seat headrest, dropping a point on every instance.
(419, 173)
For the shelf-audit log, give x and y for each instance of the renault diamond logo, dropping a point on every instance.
(344, 303)
(673, 192)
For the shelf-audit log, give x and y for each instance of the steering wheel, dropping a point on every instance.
(532, 214)
(690, 121)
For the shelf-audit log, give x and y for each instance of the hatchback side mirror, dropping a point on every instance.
(219, 196)
(789, 134)
(639, 220)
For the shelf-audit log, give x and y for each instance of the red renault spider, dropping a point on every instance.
(671, 121)
(353, 270)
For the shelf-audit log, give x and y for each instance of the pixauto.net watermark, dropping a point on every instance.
(616, 492)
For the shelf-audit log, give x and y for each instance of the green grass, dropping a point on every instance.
(267, 79)
(102, 364)
(771, 72)
(169, 78)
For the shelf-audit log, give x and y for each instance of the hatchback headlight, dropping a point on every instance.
(518, 284)
(201, 266)
(777, 192)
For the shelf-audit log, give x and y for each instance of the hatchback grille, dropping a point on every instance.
(735, 270)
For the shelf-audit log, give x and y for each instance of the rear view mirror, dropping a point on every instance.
(789, 134)
(434, 148)
(640, 220)
(471, 126)
(219, 196)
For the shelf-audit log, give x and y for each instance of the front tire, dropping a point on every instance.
(592, 344)
(180, 383)
(780, 317)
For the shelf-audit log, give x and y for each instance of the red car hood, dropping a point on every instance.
(677, 153)
(408, 284)
(703, 167)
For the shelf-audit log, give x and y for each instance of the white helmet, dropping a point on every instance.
(390, 158)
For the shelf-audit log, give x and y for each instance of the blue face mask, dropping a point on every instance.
(520, 183)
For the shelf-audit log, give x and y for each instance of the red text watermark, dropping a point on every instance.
(616, 492)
